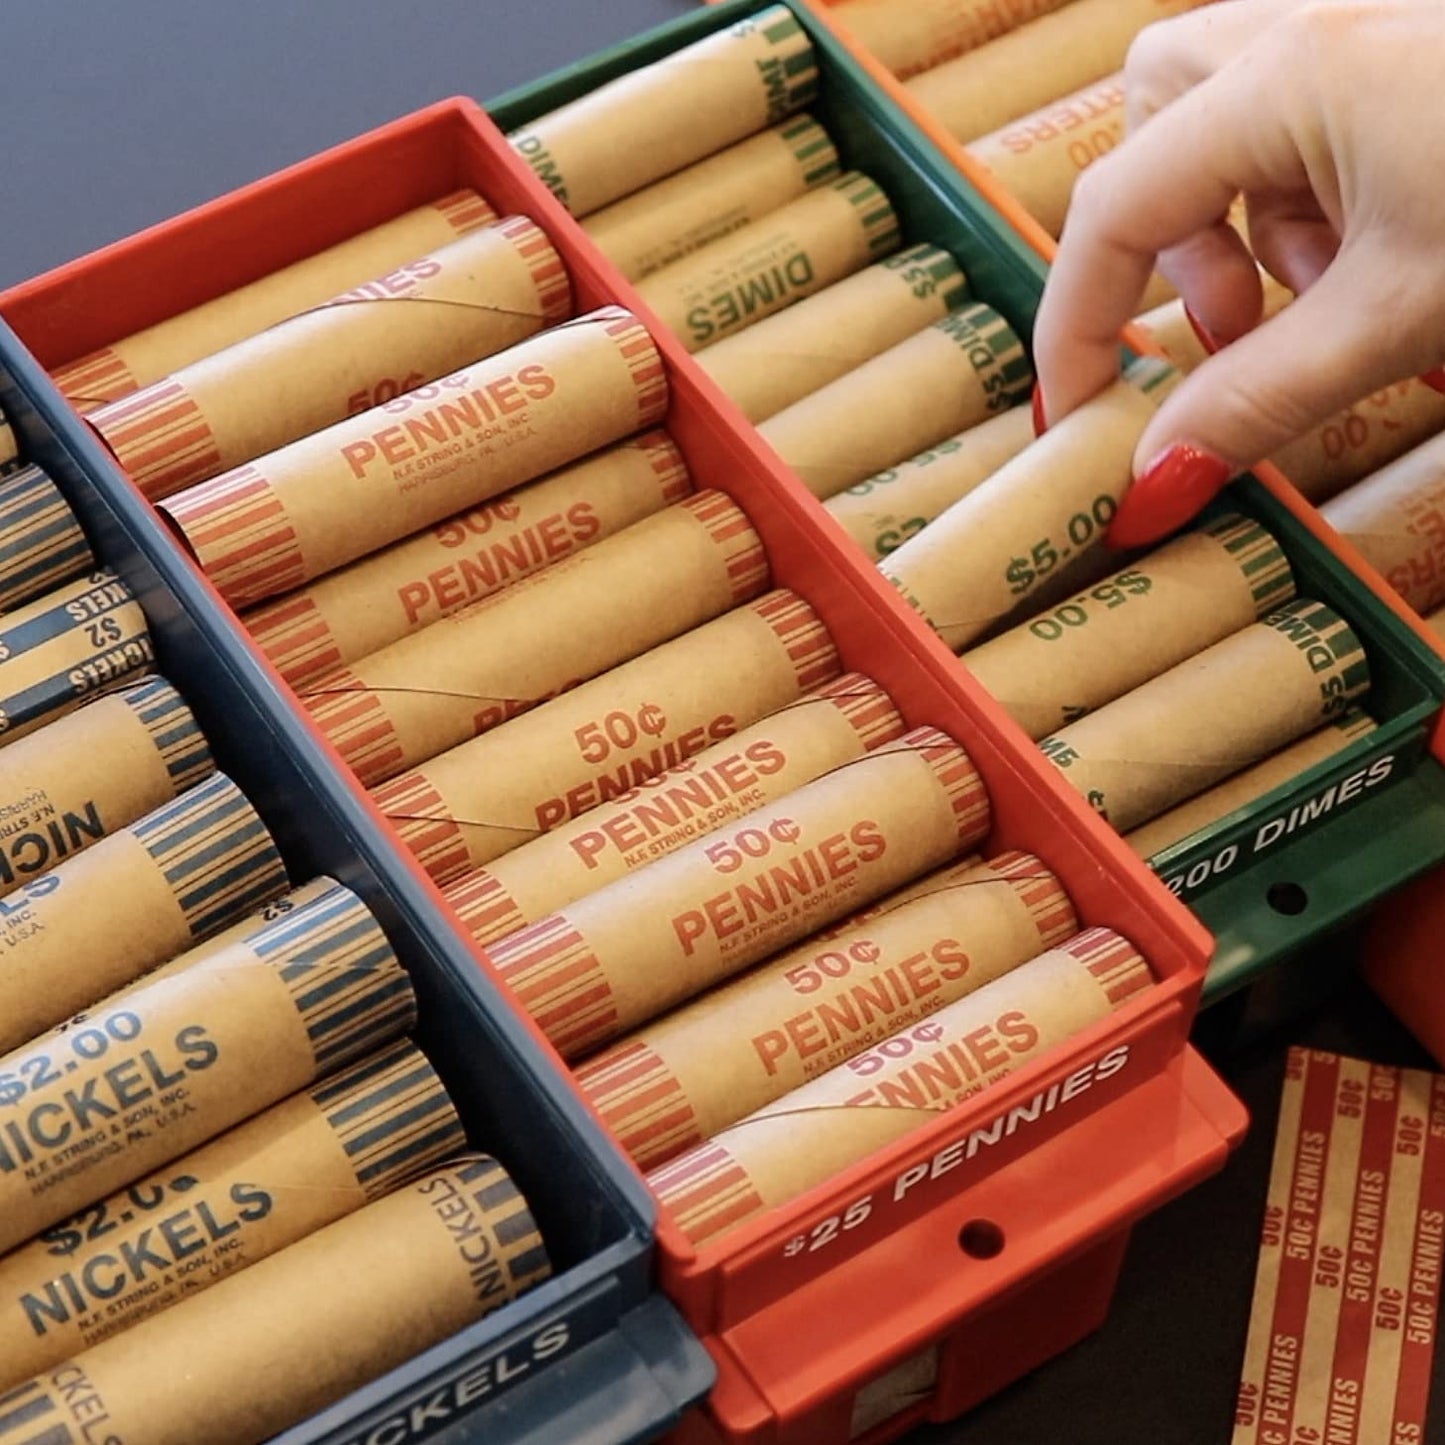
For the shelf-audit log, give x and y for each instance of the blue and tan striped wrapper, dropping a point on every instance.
(41, 544)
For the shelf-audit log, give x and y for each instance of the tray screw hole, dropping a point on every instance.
(981, 1238)
(1287, 898)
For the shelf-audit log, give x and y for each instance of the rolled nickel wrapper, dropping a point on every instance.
(844, 1115)
(314, 1158)
(786, 357)
(473, 297)
(427, 1261)
(924, 33)
(942, 380)
(618, 957)
(470, 672)
(41, 544)
(654, 227)
(718, 787)
(1116, 635)
(297, 513)
(599, 741)
(1206, 719)
(1169, 328)
(394, 593)
(148, 355)
(171, 1064)
(673, 113)
(679, 1081)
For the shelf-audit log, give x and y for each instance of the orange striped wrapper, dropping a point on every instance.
(844, 1115)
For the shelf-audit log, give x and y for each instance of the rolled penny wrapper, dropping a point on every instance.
(789, 356)
(719, 786)
(41, 544)
(1195, 591)
(618, 957)
(471, 298)
(844, 1115)
(688, 1076)
(942, 380)
(938, 881)
(599, 741)
(794, 252)
(883, 512)
(314, 1158)
(174, 1063)
(327, 499)
(427, 1260)
(470, 672)
(395, 592)
(654, 227)
(1233, 704)
(1169, 327)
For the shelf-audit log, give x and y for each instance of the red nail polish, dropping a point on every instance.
(1203, 333)
(1174, 486)
(1435, 379)
(1041, 424)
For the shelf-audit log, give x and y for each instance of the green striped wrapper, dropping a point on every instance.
(875, 211)
(1153, 376)
(977, 328)
(1259, 557)
(812, 148)
(929, 269)
(41, 544)
(797, 84)
(1310, 625)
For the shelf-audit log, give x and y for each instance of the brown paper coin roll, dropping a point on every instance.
(1214, 715)
(41, 544)
(924, 33)
(470, 672)
(941, 381)
(395, 592)
(1436, 622)
(815, 341)
(327, 499)
(314, 1158)
(718, 787)
(618, 957)
(9, 448)
(672, 219)
(1196, 591)
(661, 117)
(148, 355)
(471, 298)
(1169, 327)
(846, 1114)
(427, 1261)
(689, 1075)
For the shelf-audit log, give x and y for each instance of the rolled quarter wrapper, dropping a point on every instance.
(427, 1260)
(942, 380)
(924, 33)
(314, 1158)
(1214, 715)
(41, 544)
(691, 1074)
(618, 957)
(176, 1062)
(395, 592)
(844, 1115)
(148, 355)
(829, 727)
(599, 741)
(472, 671)
(657, 226)
(1195, 591)
(668, 115)
(473, 297)
(327, 499)
(786, 357)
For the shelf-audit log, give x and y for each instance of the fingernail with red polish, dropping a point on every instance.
(1203, 333)
(1171, 489)
(1435, 379)
(1041, 424)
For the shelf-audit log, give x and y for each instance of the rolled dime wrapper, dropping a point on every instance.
(793, 252)
(670, 114)
(327, 499)
(380, 599)
(786, 357)
(1001, 543)
(41, 544)
(1249, 786)
(942, 380)
(1170, 329)
(148, 355)
(883, 512)
(1195, 591)
(924, 33)
(427, 1261)
(828, 728)
(599, 741)
(312, 1159)
(472, 671)
(1210, 717)
(844, 1115)
(618, 957)
(688, 1076)
(654, 227)
(175, 1062)
(473, 297)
